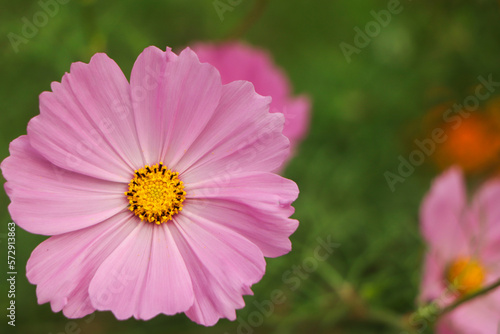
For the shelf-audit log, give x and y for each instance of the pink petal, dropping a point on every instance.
(445, 327)
(153, 278)
(269, 231)
(46, 199)
(268, 191)
(222, 265)
(236, 61)
(63, 266)
(296, 113)
(486, 213)
(173, 98)
(433, 284)
(444, 216)
(255, 205)
(478, 316)
(242, 136)
(86, 125)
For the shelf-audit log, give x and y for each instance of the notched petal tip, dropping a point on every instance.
(188, 52)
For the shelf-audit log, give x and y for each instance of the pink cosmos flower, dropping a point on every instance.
(157, 193)
(237, 61)
(464, 252)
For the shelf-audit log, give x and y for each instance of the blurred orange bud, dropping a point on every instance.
(473, 140)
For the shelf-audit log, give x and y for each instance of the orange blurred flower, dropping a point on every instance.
(472, 138)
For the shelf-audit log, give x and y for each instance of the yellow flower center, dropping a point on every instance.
(155, 193)
(466, 275)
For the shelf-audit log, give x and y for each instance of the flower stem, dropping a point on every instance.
(358, 306)
(469, 297)
(252, 17)
(390, 319)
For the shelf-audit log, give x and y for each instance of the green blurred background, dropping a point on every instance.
(365, 114)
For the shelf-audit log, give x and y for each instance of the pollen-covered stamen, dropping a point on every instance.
(466, 275)
(155, 193)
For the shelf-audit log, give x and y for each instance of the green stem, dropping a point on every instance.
(252, 17)
(389, 319)
(358, 306)
(467, 298)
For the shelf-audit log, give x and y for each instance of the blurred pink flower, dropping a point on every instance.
(157, 193)
(237, 61)
(464, 252)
